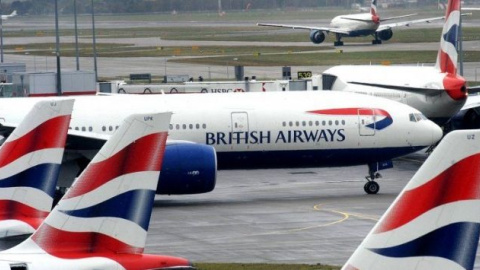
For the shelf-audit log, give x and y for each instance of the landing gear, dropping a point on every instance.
(372, 187)
(339, 41)
(376, 40)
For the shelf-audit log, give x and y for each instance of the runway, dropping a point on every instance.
(159, 66)
(311, 215)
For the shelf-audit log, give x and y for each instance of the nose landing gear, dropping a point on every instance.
(372, 187)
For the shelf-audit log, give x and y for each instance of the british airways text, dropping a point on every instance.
(266, 137)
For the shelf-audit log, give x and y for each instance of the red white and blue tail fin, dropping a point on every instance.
(373, 8)
(106, 212)
(435, 221)
(29, 165)
(447, 54)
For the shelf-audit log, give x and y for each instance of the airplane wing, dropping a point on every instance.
(428, 92)
(326, 29)
(473, 9)
(408, 23)
(474, 89)
(81, 140)
(397, 17)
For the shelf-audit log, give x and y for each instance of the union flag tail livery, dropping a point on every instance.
(447, 54)
(435, 221)
(29, 165)
(102, 221)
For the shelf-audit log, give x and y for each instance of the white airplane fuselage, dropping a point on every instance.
(424, 88)
(357, 24)
(267, 129)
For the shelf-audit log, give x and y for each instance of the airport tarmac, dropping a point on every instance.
(310, 215)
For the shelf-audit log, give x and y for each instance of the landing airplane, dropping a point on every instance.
(13, 14)
(438, 92)
(29, 165)
(435, 221)
(266, 130)
(102, 221)
(356, 25)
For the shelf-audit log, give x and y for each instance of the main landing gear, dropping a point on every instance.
(339, 41)
(372, 187)
(376, 40)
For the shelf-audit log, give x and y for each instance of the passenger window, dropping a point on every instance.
(170, 126)
(104, 128)
(177, 126)
(110, 128)
(197, 126)
(90, 129)
(204, 126)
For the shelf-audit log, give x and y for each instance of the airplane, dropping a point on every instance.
(434, 223)
(356, 25)
(439, 92)
(266, 130)
(30, 161)
(6, 17)
(102, 221)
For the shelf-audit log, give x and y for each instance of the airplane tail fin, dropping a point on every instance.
(447, 54)
(30, 160)
(435, 221)
(373, 8)
(107, 210)
(14, 13)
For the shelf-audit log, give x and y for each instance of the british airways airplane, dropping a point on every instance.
(435, 221)
(439, 91)
(265, 130)
(102, 221)
(29, 165)
(356, 25)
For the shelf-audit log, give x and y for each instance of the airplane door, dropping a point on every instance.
(239, 122)
(366, 122)
(240, 130)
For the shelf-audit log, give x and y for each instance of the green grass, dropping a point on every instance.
(124, 50)
(251, 33)
(239, 266)
(327, 59)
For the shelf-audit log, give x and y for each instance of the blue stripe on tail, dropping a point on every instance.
(135, 205)
(455, 242)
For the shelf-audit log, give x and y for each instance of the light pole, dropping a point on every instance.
(94, 44)
(76, 33)
(1, 33)
(57, 51)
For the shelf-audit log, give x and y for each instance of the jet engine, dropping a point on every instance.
(465, 119)
(385, 34)
(188, 168)
(317, 36)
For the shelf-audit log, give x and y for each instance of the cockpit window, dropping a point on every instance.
(417, 117)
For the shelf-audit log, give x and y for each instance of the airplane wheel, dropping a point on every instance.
(371, 187)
